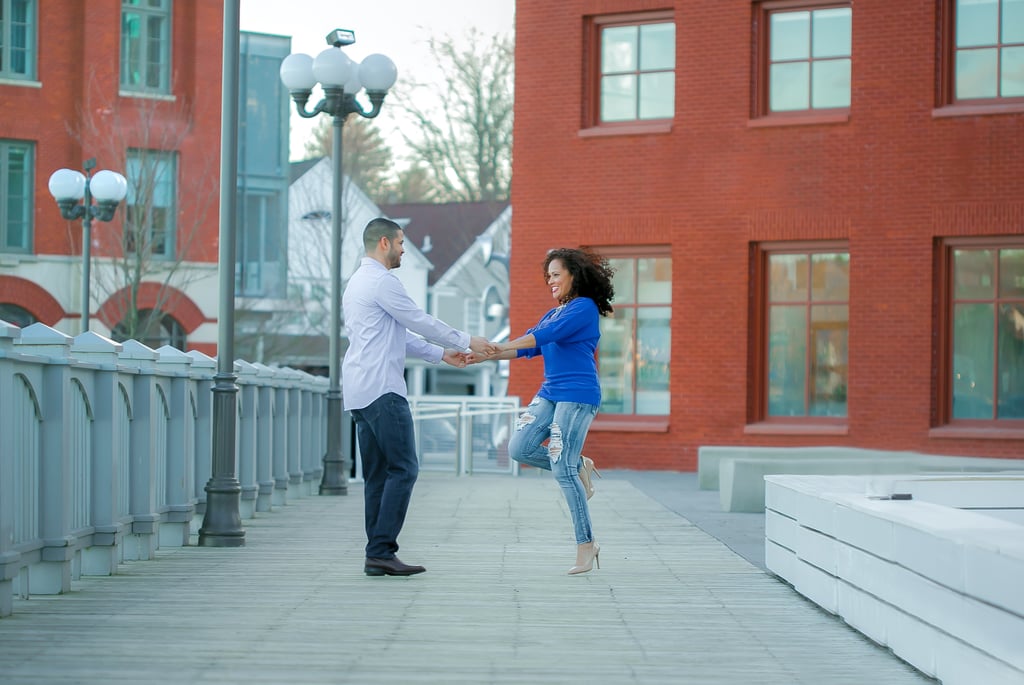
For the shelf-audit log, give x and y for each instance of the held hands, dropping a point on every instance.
(456, 358)
(498, 349)
(482, 346)
(480, 351)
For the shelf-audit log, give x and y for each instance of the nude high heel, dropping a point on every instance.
(587, 554)
(586, 469)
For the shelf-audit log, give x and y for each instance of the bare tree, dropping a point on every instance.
(414, 185)
(153, 250)
(367, 157)
(465, 136)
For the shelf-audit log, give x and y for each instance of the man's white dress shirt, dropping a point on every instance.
(380, 319)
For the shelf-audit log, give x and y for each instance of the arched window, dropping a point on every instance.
(154, 330)
(19, 316)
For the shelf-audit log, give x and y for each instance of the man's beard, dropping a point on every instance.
(394, 260)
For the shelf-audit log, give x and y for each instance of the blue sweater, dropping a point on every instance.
(567, 338)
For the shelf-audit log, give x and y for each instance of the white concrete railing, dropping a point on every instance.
(105, 451)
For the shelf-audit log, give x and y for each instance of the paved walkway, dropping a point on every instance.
(670, 604)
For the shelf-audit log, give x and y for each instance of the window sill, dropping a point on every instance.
(766, 428)
(977, 433)
(962, 110)
(633, 424)
(641, 128)
(801, 119)
(143, 95)
(24, 83)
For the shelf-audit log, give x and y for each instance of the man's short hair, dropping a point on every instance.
(379, 228)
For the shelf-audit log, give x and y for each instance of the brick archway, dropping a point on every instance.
(165, 298)
(32, 298)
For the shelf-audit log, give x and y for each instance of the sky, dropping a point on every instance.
(399, 29)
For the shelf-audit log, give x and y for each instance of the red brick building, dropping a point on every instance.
(137, 87)
(816, 209)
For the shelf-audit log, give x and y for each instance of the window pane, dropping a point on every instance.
(829, 334)
(976, 74)
(790, 35)
(832, 33)
(622, 280)
(619, 49)
(657, 95)
(131, 27)
(787, 278)
(977, 22)
(972, 361)
(154, 50)
(654, 280)
(973, 274)
(1011, 361)
(657, 46)
(1013, 21)
(1011, 273)
(830, 277)
(831, 84)
(789, 86)
(654, 351)
(787, 359)
(618, 98)
(19, 198)
(1011, 84)
(19, 316)
(20, 34)
(615, 362)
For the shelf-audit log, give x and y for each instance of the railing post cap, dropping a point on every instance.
(244, 368)
(45, 341)
(94, 342)
(9, 330)
(201, 360)
(136, 351)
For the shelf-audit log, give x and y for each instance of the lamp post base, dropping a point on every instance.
(222, 525)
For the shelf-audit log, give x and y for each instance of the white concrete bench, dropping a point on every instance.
(738, 472)
(937, 584)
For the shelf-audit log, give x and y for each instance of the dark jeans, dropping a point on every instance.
(390, 467)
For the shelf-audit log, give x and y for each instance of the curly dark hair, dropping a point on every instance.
(591, 275)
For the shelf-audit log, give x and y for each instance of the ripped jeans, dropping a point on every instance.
(564, 425)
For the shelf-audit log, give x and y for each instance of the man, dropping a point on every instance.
(381, 319)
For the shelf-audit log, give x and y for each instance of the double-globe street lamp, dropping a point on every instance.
(69, 188)
(341, 79)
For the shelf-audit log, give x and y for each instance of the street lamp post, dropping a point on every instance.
(341, 79)
(70, 187)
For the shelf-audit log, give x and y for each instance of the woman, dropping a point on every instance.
(561, 413)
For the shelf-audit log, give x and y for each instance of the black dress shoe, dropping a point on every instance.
(390, 567)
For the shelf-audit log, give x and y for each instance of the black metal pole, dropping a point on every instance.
(222, 523)
(335, 477)
(89, 165)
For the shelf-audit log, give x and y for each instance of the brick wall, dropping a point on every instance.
(77, 113)
(889, 181)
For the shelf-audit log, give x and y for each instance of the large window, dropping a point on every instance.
(636, 341)
(803, 296)
(150, 206)
(18, 39)
(260, 270)
(635, 58)
(804, 56)
(984, 367)
(987, 50)
(15, 196)
(146, 46)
